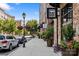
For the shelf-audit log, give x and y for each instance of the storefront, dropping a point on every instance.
(67, 17)
(63, 16)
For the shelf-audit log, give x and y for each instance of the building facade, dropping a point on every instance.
(4, 15)
(43, 16)
(66, 13)
(44, 19)
(76, 20)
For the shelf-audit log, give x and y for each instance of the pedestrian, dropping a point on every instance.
(24, 41)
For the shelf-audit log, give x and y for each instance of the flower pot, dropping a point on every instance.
(49, 42)
(70, 52)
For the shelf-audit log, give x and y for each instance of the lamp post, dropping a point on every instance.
(24, 15)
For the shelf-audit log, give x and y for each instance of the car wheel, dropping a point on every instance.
(10, 47)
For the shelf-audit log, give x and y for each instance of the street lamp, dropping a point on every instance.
(24, 15)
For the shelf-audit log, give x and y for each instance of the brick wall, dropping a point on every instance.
(76, 19)
(75, 14)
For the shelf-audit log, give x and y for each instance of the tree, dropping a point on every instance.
(9, 25)
(18, 32)
(33, 25)
(1, 23)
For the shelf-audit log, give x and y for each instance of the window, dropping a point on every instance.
(2, 37)
(9, 37)
(67, 13)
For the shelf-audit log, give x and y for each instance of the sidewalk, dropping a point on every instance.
(35, 47)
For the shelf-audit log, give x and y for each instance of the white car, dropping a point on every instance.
(8, 42)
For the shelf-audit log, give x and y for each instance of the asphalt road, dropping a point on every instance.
(6, 52)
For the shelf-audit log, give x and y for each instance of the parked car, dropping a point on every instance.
(8, 42)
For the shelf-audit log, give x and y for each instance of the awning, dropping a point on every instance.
(55, 4)
(62, 5)
(58, 5)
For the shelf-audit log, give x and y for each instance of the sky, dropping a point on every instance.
(16, 9)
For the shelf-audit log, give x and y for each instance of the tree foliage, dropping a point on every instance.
(1, 23)
(18, 32)
(8, 25)
(32, 24)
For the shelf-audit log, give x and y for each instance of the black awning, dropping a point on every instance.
(57, 5)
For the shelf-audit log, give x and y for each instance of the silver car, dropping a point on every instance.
(8, 42)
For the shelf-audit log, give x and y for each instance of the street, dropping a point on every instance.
(6, 52)
(35, 47)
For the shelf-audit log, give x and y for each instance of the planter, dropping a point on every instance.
(70, 52)
(49, 42)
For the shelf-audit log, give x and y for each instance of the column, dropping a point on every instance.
(59, 28)
(55, 31)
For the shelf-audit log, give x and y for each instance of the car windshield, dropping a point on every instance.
(2, 37)
(9, 37)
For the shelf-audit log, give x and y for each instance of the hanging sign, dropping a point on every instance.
(51, 13)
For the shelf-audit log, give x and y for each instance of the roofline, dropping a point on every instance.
(6, 13)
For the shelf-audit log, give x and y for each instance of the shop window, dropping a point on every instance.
(67, 14)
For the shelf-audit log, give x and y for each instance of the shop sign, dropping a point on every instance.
(51, 13)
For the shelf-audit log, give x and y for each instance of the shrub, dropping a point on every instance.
(49, 32)
(68, 32)
(75, 44)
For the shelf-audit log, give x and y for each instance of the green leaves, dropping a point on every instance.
(68, 32)
(49, 32)
(32, 24)
(75, 44)
(1, 23)
(63, 44)
(8, 25)
(18, 32)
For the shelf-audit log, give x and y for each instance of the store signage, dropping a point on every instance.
(51, 13)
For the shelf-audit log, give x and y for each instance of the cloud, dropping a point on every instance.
(5, 6)
(17, 3)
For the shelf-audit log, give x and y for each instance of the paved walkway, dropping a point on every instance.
(35, 47)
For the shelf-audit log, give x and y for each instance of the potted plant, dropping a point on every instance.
(71, 50)
(69, 46)
(49, 36)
